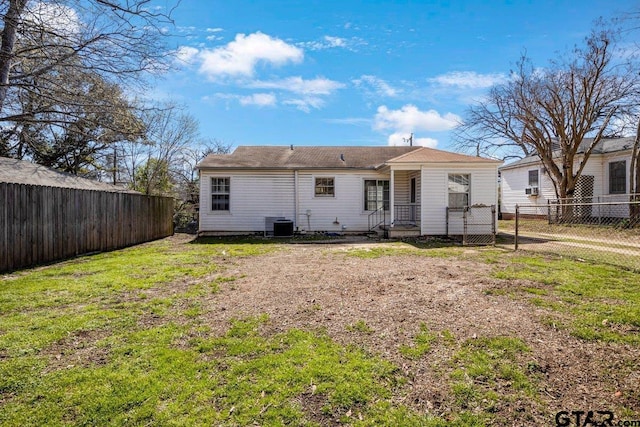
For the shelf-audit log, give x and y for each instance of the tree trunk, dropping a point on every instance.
(11, 19)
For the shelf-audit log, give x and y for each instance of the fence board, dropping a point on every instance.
(41, 224)
(3, 228)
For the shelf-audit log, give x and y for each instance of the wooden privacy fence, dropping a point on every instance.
(39, 224)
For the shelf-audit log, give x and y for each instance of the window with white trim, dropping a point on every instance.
(533, 178)
(220, 193)
(376, 194)
(459, 185)
(325, 187)
(618, 177)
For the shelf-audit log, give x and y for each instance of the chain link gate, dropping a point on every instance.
(476, 225)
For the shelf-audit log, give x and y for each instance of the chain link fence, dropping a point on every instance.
(475, 225)
(606, 232)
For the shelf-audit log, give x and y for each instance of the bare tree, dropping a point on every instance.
(169, 134)
(560, 113)
(116, 40)
(188, 182)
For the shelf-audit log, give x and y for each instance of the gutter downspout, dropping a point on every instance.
(296, 200)
(422, 199)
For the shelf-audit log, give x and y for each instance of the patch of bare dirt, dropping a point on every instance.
(78, 349)
(321, 287)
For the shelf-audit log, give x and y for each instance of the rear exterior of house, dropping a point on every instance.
(604, 179)
(340, 189)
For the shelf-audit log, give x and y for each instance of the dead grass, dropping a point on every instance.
(464, 341)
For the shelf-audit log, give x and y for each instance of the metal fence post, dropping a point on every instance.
(447, 225)
(464, 221)
(493, 223)
(517, 221)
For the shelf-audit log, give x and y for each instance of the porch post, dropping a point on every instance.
(391, 197)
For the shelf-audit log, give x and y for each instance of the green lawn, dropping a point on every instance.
(117, 339)
(603, 302)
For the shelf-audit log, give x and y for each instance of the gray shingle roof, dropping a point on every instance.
(606, 146)
(23, 172)
(431, 155)
(324, 157)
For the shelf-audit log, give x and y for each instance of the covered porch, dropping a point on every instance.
(399, 214)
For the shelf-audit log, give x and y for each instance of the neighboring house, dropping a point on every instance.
(605, 178)
(340, 189)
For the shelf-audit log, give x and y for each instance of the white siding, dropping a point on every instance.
(259, 194)
(614, 211)
(402, 190)
(513, 183)
(515, 180)
(253, 197)
(256, 195)
(435, 196)
(344, 212)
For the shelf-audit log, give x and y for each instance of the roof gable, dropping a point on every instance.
(431, 155)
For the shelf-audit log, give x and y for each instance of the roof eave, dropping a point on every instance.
(286, 168)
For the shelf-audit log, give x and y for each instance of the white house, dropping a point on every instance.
(340, 189)
(605, 178)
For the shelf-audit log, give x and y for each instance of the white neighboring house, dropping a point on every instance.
(605, 178)
(340, 189)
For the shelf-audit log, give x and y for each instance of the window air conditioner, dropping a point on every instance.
(531, 191)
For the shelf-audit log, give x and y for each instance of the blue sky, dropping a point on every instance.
(357, 72)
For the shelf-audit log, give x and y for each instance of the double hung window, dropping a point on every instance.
(220, 193)
(325, 187)
(376, 194)
(618, 177)
(459, 185)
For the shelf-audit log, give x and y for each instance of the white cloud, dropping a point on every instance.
(402, 138)
(58, 18)
(353, 121)
(306, 104)
(259, 99)
(311, 91)
(376, 86)
(214, 30)
(332, 42)
(255, 99)
(241, 56)
(409, 118)
(327, 42)
(186, 54)
(469, 79)
(335, 41)
(189, 29)
(317, 86)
